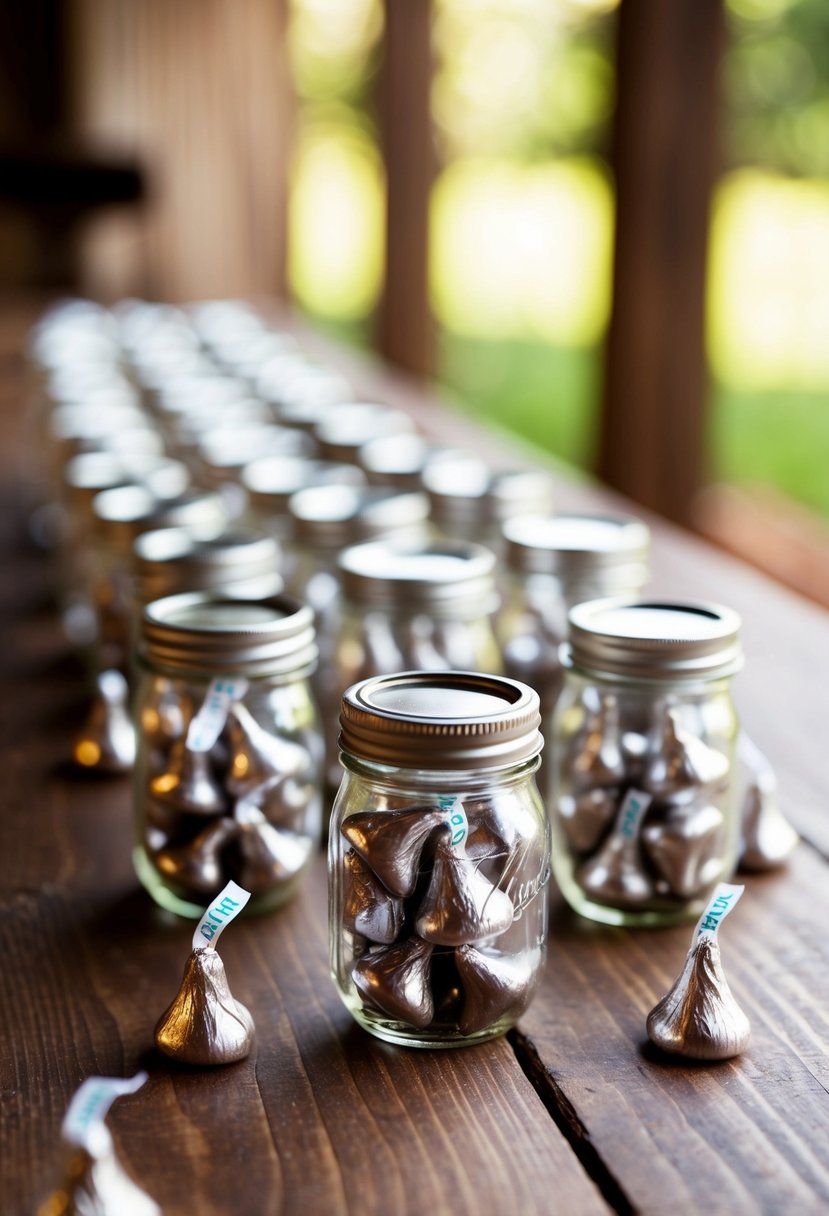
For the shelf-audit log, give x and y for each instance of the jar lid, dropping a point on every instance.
(271, 480)
(215, 635)
(334, 517)
(241, 563)
(91, 472)
(578, 546)
(441, 720)
(399, 460)
(226, 449)
(343, 431)
(446, 578)
(124, 513)
(654, 639)
(465, 492)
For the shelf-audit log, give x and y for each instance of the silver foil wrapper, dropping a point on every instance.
(700, 1018)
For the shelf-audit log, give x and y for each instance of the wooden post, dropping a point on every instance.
(405, 333)
(665, 159)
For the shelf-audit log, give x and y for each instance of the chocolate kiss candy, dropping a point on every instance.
(681, 764)
(196, 865)
(283, 801)
(369, 909)
(461, 906)
(494, 984)
(395, 980)
(163, 717)
(686, 848)
(263, 856)
(204, 1024)
(596, 757)
(767, 836)
(107, 740)
(189, 784)
(256, 756)
(699, 1018)
(615, 875)
(391, 842)
(585, 817)
(98, 1186)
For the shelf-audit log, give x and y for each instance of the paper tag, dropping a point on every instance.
(84, 1121)
(631, 813)
(725, 896)
(226, 906)
(456, 818)
(207, 724)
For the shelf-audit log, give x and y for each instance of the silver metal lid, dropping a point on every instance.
(450, 579)
(399, 460)
(664, 640)
(214, 635)
(122, 514)
(341, 432)
(226, 450)
(573, 547)
(240, 563)
(334, 517)
(91, 472)
(466, 493)
(435, 721)
(271, 480)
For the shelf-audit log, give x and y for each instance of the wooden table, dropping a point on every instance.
(570, 1113)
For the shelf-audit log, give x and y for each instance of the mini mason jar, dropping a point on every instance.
(425, 606)
(438, 857)
(470, 501)
(643, 788)
(228, 776)
(556, 562)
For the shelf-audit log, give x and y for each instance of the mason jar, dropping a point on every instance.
(228, 774)
(399, 461)
(439, 857)
(407, 606)
(555, 562)
(643, 777)
(343, 431)
(470, 501)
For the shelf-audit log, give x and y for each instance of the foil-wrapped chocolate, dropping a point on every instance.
(682, 765)
(256, 756)
(106, 742)
(493, 984)
(699, 1018)
(369, 909)
(768, 838)
(264, 857)
(196, 865)
(686, 849)
(205, 1025)
(586, 816)
(391, 843)
(596, 757)
(616, 873)
(188, 784)
(95, 1182)
(461, 906)
(395, 980)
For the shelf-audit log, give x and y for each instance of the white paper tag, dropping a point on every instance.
(84, 1121)
(206, 726)
(719, 905)
(631, 813)
(226, 906)
(456, 818)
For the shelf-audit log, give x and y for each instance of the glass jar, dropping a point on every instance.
(643, 779)
(399, 461)
(470, 500)
(342, 432)
(438, 857)
(556, 562)
(408, 606)
(228, 775)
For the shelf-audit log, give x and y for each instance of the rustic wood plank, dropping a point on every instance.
(743, 1135)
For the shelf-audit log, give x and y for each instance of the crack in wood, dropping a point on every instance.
(566, 1119)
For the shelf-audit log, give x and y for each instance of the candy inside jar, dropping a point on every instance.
(642, 788)
(229, 773)
(439, 857)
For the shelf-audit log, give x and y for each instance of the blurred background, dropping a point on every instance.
(604, 225)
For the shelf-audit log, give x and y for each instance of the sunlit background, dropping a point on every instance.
(522, 214)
